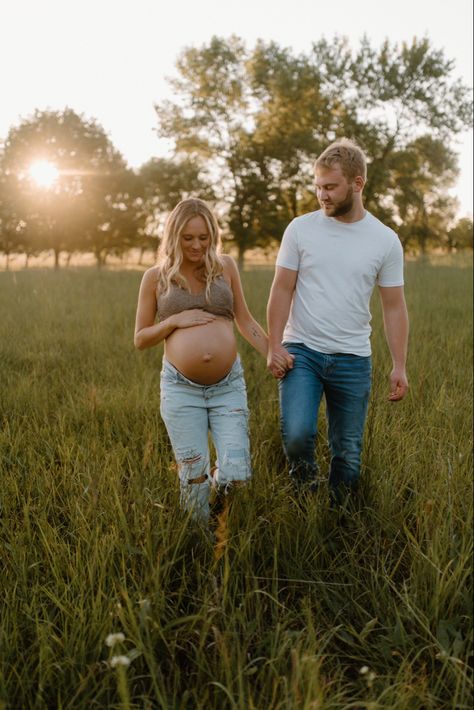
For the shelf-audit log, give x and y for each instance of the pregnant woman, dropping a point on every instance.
(196, 293)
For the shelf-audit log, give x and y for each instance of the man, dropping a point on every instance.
(319, 320)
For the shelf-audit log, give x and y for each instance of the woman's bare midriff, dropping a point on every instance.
(203, 353)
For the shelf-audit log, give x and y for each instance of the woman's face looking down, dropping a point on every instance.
(195, 240)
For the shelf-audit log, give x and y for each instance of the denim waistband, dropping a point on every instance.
(320, 353)
(170, 369)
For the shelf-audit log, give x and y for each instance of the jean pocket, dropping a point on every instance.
(167, 378)
(236, 381)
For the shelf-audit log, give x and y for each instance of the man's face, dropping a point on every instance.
(334, 192)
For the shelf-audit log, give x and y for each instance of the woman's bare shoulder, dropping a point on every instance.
(150, 278)
(152, 274)
(153, 271)
(226, 259)
(228, 263)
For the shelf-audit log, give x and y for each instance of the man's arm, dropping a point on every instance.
(279, 360)
(395, 318)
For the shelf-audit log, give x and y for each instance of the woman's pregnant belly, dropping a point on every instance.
(203, 353)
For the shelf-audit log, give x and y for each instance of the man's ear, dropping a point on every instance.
(358, 183)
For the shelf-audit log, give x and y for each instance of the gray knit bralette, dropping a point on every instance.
(220, 303)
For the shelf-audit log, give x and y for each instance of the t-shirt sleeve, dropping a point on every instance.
(288, 254)
(391, 271)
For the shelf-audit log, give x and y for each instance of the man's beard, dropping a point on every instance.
(345, 206)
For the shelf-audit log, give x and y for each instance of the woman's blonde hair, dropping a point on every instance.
(170, 255)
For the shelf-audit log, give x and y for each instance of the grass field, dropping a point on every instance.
(304, 610)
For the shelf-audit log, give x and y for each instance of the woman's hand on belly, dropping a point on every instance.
(192, 317)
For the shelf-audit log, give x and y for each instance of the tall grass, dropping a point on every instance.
(307, 608)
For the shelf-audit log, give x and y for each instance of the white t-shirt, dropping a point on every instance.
(338, 265)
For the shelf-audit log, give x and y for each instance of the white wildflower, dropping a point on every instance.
(364, 670)
(119, 661)
(145, 605)
(112, 639)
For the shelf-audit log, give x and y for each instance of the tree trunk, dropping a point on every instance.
(56, 259)
(240, 257)
(294, 204)
(101, 257)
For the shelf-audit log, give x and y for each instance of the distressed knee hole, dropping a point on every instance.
(200, 479)
(192, 460)
(192, 468)
(235, 468)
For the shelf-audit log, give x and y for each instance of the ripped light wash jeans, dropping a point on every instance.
(190, 411)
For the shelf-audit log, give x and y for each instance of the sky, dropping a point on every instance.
(110, 59)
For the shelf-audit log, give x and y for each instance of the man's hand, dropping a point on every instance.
(395, 318)
(279, 360)
(398, 385)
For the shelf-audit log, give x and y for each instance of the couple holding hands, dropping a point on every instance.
(318, 334)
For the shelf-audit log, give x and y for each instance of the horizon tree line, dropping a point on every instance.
(246, 126)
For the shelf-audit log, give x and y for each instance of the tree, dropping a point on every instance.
(208, 125)
(113, 219)
(220, 123)
(401, 100)
(297, 116)
(164, 183)
(12, 232)
(420, 176)
(461, 235)
(254, 122)
(86, 182)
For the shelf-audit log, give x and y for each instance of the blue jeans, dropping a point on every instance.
(344, 380)
(190, 412)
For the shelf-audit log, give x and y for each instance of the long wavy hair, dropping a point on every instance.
(170, 255)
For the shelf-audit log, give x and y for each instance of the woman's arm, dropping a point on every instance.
(246, 323)
(147, 332)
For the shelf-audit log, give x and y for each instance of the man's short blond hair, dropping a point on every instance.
(347, 155)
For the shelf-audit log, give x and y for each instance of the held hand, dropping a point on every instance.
(279, 361)
(192, 317)
(398, 385)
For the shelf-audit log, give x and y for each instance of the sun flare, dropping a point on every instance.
(43, 173)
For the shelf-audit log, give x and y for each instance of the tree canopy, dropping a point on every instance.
(246, 125)
(86, 203)
(254, 121)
